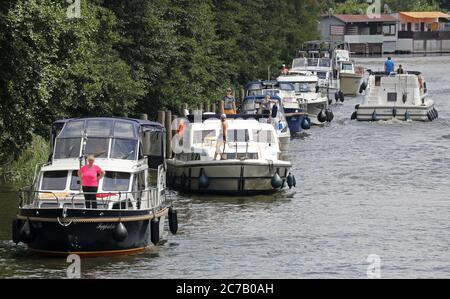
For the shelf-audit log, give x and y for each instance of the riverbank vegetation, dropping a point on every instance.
(21, 170)
(122, 58)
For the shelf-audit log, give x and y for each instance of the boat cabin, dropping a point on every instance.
(126, 149)
(396, 89)
(248, 139)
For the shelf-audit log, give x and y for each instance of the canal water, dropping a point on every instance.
(363, 189)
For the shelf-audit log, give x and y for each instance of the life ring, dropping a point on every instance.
(181, 128)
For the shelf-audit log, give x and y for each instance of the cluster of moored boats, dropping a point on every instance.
(132, 203)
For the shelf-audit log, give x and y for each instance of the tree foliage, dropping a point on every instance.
(121, 57)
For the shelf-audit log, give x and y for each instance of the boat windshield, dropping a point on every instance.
(263, 136)
(238, 135)
(299, 63)
(313, 62)
(99, 134)
(347, 67)
(324, 62)
(322, 75)
(204, 136)
(305, 87)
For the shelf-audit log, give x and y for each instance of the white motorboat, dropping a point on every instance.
(395, 96)
(308, 95)
(331, 62)
(248, 162)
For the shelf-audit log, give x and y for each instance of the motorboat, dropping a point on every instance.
(129, 210)
(331, 62)
(395, 96)
(308, 95)
(279, 92)
(248, 163)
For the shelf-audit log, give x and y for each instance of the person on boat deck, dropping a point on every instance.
(222, 139)
(265, 105)
(228, 103)
(400, 70)
(90, 175)
(284, 70)
(389, 65)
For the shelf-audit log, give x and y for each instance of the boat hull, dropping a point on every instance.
(314, 108)
(294, 119)
(89, 232)
(226, 177)
(416, 113)
(284, 141)
(350, 84)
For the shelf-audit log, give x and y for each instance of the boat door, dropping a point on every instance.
(153, 146)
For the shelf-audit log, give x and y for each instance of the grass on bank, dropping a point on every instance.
(21, 171)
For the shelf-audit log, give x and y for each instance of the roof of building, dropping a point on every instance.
(425, 14)
(365, 18)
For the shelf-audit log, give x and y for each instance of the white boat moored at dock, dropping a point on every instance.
(395, 96)
(250, 162)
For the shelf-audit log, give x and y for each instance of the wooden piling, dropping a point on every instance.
(143, 116)
(161, 117)
(168, 125)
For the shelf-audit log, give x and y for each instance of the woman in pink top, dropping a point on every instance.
(90, 176)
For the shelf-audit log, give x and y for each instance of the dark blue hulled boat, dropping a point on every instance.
(285, 92)
(268, 109)
(129, 211)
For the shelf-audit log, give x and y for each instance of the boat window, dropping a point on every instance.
(313, 61)
(123, 149)
(254, 86)
(124, 130)
(298, 63)
(377, 80)
(322, 75)
(392, 97)
(156, 143)
(286, 86)
(238, 135)
(72, 129)
(263, 136)
(116, 181)
(324, 62)
(99, 128)
(347, 67)
(67, 148)
(97, 147)
(204, 136)
(305, 87)
(271, 92)
(54, 180)
(75, 181)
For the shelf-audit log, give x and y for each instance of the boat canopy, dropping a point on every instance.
(272, 84)
(115, 138)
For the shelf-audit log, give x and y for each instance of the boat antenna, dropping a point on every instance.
(82, 158)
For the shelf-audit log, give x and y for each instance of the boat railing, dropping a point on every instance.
(136, 200)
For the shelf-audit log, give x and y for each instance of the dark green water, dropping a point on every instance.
(363, 188)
